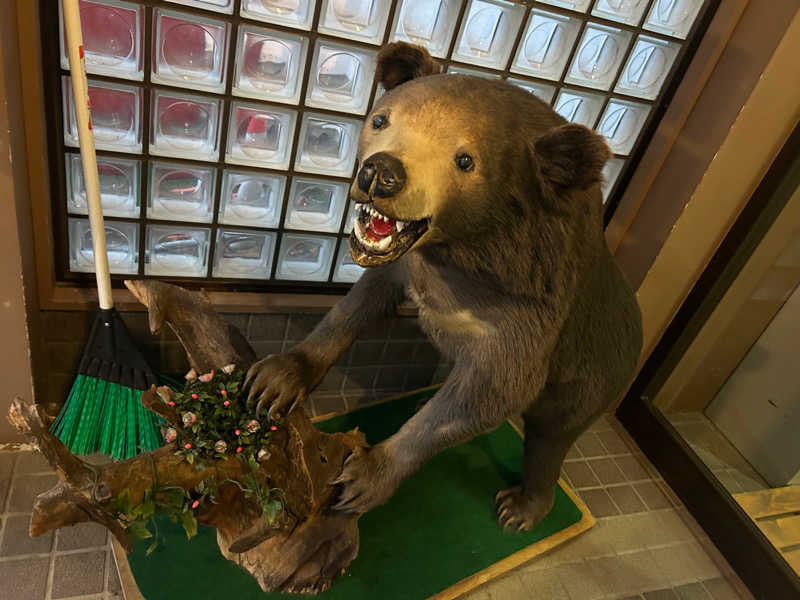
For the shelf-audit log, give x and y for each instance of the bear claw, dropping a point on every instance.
(517, 512)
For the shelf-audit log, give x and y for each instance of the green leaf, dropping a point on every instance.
(151, 547)
(272, 509)
(189, 524)
(122, 503)
(138, 530)
(147, 508)
(190, 458)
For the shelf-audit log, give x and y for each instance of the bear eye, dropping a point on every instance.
(464, 162)
(379, 121)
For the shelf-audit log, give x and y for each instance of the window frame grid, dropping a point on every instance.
(57, 149)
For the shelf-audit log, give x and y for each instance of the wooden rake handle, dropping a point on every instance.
(80, 93)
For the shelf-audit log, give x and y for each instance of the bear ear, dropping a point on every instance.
(571, 156)
(399, 62)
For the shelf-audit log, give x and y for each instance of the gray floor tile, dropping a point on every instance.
(671, 527)
(599, 503)
(32, 462)
(652, 494)
(542, 585)
(78, 574)
(114, 585)
(594, 543)
(684, 563)
(692, 591)
(720, 589)
(506, 587)
(613, 442)
(580, 474)
(25, 490)
(82, 535)
(7, 464)
(573, 453)
(625, 533)
(665, 594)
(326, 404)
(24, 579)
(16, 540)
(631, 573)
(590, 445)
(3, 493)
(626, 499)
(580, 581)
(632, 467)
(606, 470)
(671, 495)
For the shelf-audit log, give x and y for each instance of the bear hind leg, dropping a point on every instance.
(552, 424)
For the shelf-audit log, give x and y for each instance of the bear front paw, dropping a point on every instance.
(518, 512)
(367, 480)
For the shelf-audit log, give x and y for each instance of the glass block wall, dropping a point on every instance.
(226, 129)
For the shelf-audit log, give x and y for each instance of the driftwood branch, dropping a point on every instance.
(304, 553)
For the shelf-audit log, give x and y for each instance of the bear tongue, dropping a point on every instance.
(380, 228)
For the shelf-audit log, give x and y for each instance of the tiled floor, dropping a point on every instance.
(68, 564)
(719, 455)
(644, 545)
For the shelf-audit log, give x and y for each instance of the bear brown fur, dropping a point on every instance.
(502, 249)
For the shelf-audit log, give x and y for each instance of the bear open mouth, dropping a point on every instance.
(378, 239)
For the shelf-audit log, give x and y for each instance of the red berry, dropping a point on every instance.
(224, 392)
(171, 403)
(194, 396)
(239, 449)
(273, 428)
(226, 403)
(188, 445)
(195, 504)
(237, 431)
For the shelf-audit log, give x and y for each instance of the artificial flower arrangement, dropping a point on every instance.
(216, 425)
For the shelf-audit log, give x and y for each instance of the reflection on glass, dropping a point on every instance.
(267, 63)
(190, 50)
(186, 124)
(280, 7)
(109, 38)
(483, 28)
(178, 251)
(250, 199)
(420, 19)
(181, 193)
(116, 187)
(647, 67)
(314, 198)
(242, 247)
(598, 56)
(258, 135)
(113, 113)
(324, 142)
(672, 13)
(353, 14)
(623, 5)
(118, 248)
(545, 44)
(337, 74)
(303, 251)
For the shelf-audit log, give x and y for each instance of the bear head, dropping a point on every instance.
(448, 159)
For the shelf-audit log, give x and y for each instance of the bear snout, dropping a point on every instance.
(381, 175)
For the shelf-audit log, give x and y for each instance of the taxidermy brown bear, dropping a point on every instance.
(481, 204)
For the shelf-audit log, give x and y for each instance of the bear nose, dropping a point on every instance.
(385, 172)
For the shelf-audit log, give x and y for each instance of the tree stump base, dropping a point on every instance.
(303, 553)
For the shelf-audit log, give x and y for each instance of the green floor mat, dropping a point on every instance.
(437, 536)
